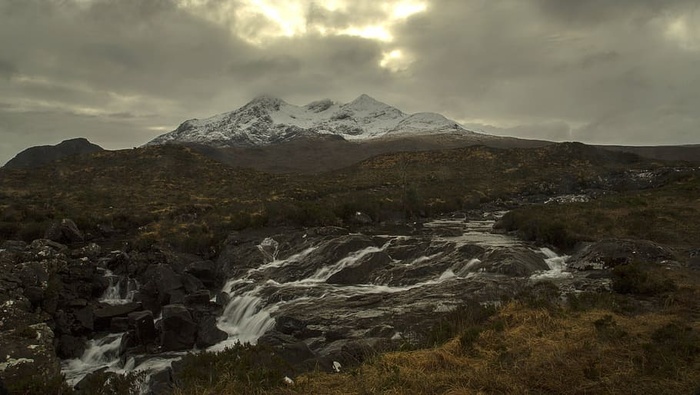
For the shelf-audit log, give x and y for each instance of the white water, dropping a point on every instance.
(351, 260)
(557, 266)
(121, 290)
(249, 315)
(99, 353)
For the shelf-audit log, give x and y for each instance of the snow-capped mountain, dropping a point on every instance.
(267, 120)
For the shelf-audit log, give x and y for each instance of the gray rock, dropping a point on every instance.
(206, 272)
(70, 347)
(613, 252)
(105, 313)
(179, 331)
(209, 334)
(361, 271)
(142, 322)
(514, 261)
(90, 251)
(28, 353)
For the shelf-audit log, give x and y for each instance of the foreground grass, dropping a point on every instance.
(610, 343)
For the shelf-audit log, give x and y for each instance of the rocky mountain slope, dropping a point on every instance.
(268, 120)
(40, 155)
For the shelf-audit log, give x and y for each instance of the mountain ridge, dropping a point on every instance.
(267, 120)
(43, 154)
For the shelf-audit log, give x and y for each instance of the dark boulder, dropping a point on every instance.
(206, 272)
(515, 261)
(142, 322)
(613, 252)
(191, 283)
(91, 251)
(361, 271)
(296, 354)
(70, 347)
(289, 325)
(119, 324)
(104, 313)
(85, 317)
(168, 284)
(208, 334)
(179, 331)
(64, 231)
(28, 353)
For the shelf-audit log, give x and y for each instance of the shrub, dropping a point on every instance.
(634, 278)
(465, 318)
(243, 368)
(674, 347)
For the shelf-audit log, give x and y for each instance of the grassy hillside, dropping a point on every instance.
(173, 192)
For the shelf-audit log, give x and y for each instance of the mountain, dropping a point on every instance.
(268, 120)
(40, 155)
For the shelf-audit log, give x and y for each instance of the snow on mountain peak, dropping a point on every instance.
(267, 120)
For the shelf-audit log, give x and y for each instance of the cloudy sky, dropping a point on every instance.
(121, 72)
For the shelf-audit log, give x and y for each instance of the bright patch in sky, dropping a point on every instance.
(259, 22)
(685, 32)
(395, 61)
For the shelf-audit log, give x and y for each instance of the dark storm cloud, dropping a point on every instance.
(7, 69)
(122, 71)
(606, 69)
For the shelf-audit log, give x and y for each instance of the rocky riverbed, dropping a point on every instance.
(323, 297)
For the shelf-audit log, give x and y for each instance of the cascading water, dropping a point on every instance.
(121, 290)
(99, 353)
(556, 263)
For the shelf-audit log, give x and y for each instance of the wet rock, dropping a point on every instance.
(119, 324)
(198, 299)
(85, 317)
(70, 347)
(142, 322)
(613, 252)
(357, 351)
(206, 272)
(208, 334)
(514, 261)
(161, 382)
(168, 284)
(191, 283)
(105, 313)
(361, 271)
(64, 231)
(179, 331)
(289, 325)
(297, 354)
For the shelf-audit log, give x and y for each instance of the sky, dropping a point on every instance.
(121, 72)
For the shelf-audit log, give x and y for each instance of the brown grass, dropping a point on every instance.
(537, 351)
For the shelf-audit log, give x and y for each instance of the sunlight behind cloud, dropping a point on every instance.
(405, 9)
(684, 32)
(261, 22)
(395, 61)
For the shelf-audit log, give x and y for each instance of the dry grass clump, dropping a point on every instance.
(529, 350)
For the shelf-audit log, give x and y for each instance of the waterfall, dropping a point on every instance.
(99, 353)
(556, 263)
(121, 290)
